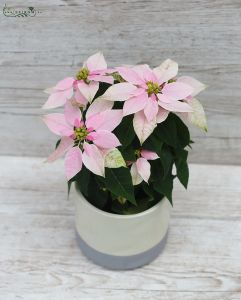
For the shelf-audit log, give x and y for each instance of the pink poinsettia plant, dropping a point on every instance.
(122, 131)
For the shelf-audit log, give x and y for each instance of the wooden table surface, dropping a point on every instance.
(39, 257)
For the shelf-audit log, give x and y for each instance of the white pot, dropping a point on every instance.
(121, 241)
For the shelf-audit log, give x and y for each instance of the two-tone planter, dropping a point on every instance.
(121, 241)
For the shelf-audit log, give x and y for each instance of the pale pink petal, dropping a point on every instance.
(151, 109)
(130, 75)
(65, 84)
(149, 155)
(142, 127)
(65, 144)
(188, 99)
(136, 178)
(73, 162)
(106, 120)
(96, 62)
(161, 115)
(195, 84)
(80, 98)
(164, 98)
(50, 90)
(93, 159)
(77, 123)
(57, 124)
(143, 168)
(119, 92)
(101, 78)
(176, 106)
(88, 90)
(139, 91)
(145, 73)
(183, 116)
(69, 93)
(97, 106)
(71, 113)
(166, 71)
(177, 90)
(55, 100)
(105, 139)
(135, 104)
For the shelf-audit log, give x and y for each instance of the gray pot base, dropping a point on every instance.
(114, 262)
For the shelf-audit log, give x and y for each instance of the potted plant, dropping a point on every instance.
(122, 133)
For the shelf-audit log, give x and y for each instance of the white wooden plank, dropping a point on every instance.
(103, 294)
(31, 174)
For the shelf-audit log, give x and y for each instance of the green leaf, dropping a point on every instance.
(92, 188)
(128, 153)
(182, 166)
(82, 180)
(180, 154)
(143, 205)
(166, 159)
(173, 132)
(97, 195)
(165, 187)
(167, 131)
(119, 182)
(68, 188)
(102, 89)
(125, 131)
(117, 208)
(153, 143)
(57, 144)
(148, 191)
(157, 170)
(154, 196)
(183, 173)
(183, 135)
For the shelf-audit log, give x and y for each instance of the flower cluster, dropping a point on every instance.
(112, 117)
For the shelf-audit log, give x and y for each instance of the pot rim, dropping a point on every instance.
(117, 216)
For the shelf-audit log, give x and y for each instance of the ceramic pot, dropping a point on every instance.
(121, 241)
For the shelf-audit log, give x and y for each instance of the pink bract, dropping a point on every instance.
(83, 141)
(84, 87)
(141, 169)
(152, 93)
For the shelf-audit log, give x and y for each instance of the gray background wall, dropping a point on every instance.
(203, 36)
